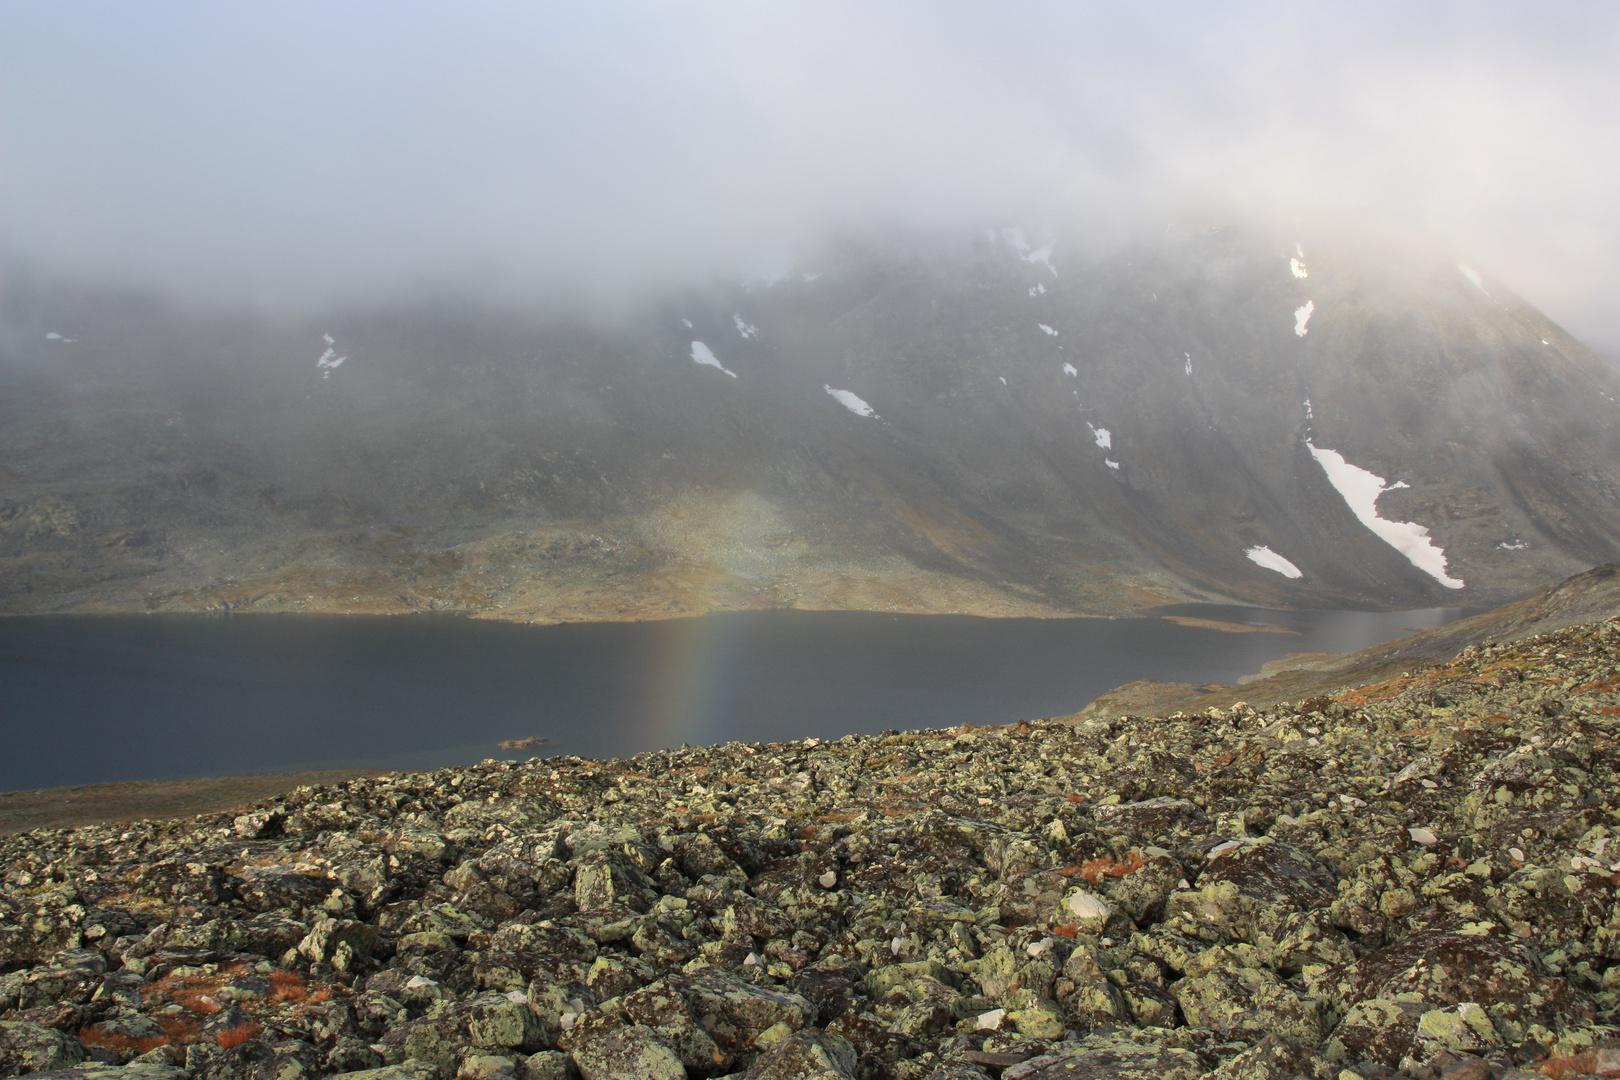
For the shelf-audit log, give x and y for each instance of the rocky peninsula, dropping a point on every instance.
(1414, 877)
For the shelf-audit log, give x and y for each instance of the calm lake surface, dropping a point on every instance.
(88, 700)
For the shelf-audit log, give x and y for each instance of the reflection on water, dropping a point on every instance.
(85, 700)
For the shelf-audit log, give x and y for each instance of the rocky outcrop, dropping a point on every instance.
(1417, 877)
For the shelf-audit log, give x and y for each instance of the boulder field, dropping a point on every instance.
(1413, 878)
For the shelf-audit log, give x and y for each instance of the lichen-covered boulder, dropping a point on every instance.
(339, 941)
(607, 879)
(917, 1006)
(497, 819)
(548, 1065)
(1251, 887)
(1143, 885)
(1452, 961)
(135, 1070)
(1380, 1030)
(1272, 1058)
(491, 1022)
(1464, 1028)
(406, 1070)
(1304, 941)
(1149, 819)
(700, 856)
(734, 1010)
(1248, 1003)
(807, 1054)
(629, 1051)
(1006, 969)
(28, 1048)
(1118, 1055)
(503, 1021)
(663, 1008)
(958, 1070)
(544, 938)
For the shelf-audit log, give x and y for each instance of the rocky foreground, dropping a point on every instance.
(1413, 878)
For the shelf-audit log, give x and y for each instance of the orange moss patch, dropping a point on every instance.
(93, 1035)
(288, 986)
(1094, 870)
(1573, 1065)
(196, 993)
(236, 1036)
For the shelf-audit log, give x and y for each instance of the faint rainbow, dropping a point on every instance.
(683, 694)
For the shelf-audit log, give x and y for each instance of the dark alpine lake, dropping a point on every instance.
(91, 699)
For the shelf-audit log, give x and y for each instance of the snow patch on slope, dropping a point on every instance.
(1264, 556)
(1303, 316)
(1051, 332)
(1104, 437)
(743, 328)
(1069, 369)
(702, 354)
(1042, 255)
(851, 402)
(1360, 489)
(329, 360)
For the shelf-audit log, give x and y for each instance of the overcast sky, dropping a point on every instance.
(291, 151)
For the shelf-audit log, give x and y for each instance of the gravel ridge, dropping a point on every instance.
(1416, 878)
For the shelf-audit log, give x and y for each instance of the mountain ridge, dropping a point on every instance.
(1085, 439)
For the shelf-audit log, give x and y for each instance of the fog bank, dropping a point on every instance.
(306, 154)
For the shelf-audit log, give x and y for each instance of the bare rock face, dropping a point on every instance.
(1415, 878)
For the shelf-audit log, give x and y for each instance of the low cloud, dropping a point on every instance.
(305, 153)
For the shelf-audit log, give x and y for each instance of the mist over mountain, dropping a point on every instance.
(994, 421)
(628, 310)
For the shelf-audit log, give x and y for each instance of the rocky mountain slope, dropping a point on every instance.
(1583, 598)
(979, 426)
(1414, 878)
